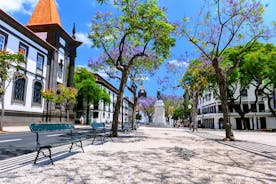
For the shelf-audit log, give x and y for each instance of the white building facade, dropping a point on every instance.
(23, 101)
(210, 112)
(103, 112)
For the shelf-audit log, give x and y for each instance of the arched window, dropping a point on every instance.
(19, 89)
(37, 92)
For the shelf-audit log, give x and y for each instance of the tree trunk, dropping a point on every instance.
(87, 112)
(60, 114)
(195, 103)
(221, 81)
(150, 118)
(118, 103)
(2, 112)
(50, 114)
(47, 111)
(135, 102)
(67, 113)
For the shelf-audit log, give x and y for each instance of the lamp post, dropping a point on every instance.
(190, 118)
(122, 125)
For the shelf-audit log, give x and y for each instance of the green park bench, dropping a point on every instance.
(127, 127)
(99, 130)
(69, 138)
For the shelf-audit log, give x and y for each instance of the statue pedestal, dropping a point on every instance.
(159, 113)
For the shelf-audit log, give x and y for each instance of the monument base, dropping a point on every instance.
(159, 114)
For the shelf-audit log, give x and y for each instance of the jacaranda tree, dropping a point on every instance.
(136, 77)
(139, 34)
(146, 105)
(223, 24)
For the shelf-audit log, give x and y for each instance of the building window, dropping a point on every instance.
(219, 108)
(37, 92)
(23, 49)
(2, 42)
(245, 107)
(261, 108)
(244, 92)
(95, 115)
(96, 106)
(60, 68)
(253, 108)
(19, 89)
(39, 61)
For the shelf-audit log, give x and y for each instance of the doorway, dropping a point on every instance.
(238, 123)
(263, 122)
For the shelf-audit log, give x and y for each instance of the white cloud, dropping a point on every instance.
(83, 66)
(12, 6)
(83, 37)
(178, 63)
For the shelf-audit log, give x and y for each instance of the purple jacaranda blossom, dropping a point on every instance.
(146, 102)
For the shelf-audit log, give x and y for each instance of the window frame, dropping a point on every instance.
(42, 63)
(244, 93)
(33, 94)
(24, 64)
(60, 69)
(25, 90)
(261, 105)
(5, 35)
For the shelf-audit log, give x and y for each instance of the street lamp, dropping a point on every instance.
(190, 118)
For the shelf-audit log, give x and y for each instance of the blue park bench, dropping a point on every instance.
(99, 130)
(72, 139)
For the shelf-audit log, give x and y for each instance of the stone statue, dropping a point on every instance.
(158, 95)
(159, 111)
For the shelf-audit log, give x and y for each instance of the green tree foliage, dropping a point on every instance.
(257, 68)
(66, 97)
(139, 34)
(7, 61)
(49, 96)
(178, 113)
(88, 90)
(195, 80)
(262, 58)
(171, 102)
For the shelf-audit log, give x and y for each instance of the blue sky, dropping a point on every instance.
(82, 11)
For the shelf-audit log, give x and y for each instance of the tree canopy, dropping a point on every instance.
(234, 22)
(140, 34)
(87, 87)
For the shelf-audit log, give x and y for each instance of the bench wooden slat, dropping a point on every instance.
(43, 127)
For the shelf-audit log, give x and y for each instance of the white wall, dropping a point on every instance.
(12, 46)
